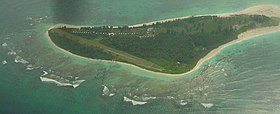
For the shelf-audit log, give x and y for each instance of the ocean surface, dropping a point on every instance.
(38, 78)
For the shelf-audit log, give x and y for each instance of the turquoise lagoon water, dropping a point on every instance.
(242, 79)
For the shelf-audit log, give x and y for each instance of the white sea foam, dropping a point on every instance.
(133, 101)
(105, 90)
(74, 85)
(29, 67)
(4, 44)
(148, 98)
(4, 62)
(170, 97)
(111, 94)
(183, 103)
(207, 105)
(44, 79)
(77, 83)
(19, 59)
(45, 73)
(12, 52)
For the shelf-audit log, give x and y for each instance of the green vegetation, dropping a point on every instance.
(170, 47)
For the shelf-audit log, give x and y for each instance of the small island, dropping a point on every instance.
(171, 47)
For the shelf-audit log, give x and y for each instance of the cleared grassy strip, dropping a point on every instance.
(122, 55)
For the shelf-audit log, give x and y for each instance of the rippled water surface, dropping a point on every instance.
(244, 78)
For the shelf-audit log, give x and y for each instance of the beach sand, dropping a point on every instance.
(267, 10)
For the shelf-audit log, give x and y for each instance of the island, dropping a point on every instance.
(173, 46)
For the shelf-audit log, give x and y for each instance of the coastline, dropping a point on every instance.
(267, 10)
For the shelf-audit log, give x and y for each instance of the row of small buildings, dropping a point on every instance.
(102, 33)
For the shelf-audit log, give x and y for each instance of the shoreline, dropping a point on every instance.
(267, 10)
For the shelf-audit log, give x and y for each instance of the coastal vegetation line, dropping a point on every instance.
(170, 47)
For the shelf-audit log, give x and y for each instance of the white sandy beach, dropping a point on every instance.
(267, 10)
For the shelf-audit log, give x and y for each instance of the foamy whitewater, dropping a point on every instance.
(207, 105)
(74, 84)
(183, 103)
(105, 90)
(19, 59)
(4, 44)
(125, 99)
(29, 67)
(4, 62)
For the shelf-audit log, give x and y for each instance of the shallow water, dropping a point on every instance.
(242, 79)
